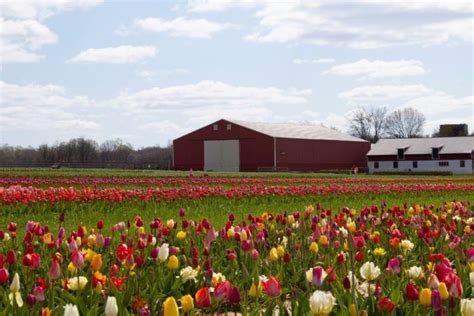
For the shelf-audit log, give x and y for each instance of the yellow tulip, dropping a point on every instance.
(243, 235)
(181, 235)
(425, 297)
(443, 291)
(471, 265)
(96, 262)
(352, 310)
(187, 302)
(379, 252)
(141, 230)
(314, 248)
(71, 268)
(351, 227)
(255, 290)
(273, 256)
(280, 251)
(91, 241)
(173, 262)
(170, 308)
(323, 240)
(89, 255)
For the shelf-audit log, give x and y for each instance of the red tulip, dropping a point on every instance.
(411, 292)
(454, 285)
(4, 276)
(55, 271)
(234, 295)
(385, 305)
(12, 227)
(11, 257)
(272, 287)
(203, 297)
(221, 290)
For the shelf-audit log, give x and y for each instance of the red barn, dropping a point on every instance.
(228, 145)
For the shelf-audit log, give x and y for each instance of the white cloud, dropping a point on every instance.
(384, 92)
(19, 40)
(220, 5)
(299, 61)
(183, 27)
(41, 9)
(122, 30)
(338, 24)
(115, 55)
(21, 32)
(428, 101)
(378, 68)
(146, 74)
(207, 94)
(43, 107)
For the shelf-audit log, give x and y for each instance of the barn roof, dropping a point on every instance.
(298, 131)
(420, 146)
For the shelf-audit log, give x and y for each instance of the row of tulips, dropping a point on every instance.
(413, 260)
(26, 195)
(193, 181)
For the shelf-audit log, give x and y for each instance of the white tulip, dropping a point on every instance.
(321, 303)
(71, 310)
(467, 307)
(415, 272)
(369, 271)
(406, 245)
(164, 252)
(188, 273)
(15, 286)
(111, 308)
(15, 295)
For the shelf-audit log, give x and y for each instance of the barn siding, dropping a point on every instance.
(419, 157)
(256, 149)
(313, 155)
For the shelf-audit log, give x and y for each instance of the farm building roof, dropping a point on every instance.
(420, 146)
(298, 131)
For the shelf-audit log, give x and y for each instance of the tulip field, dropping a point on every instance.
(92, 242)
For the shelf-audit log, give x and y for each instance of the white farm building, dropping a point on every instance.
(452, 154)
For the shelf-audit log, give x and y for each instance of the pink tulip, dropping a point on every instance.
(77, 259)
(272, 287)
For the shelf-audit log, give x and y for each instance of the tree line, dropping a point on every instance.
(81, 152)
(373, 123)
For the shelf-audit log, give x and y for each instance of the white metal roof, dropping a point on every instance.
(420, 146)
(298, 131)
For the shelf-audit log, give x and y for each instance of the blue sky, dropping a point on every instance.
(149, 71)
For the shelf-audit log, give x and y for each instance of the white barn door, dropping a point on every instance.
(221, 155)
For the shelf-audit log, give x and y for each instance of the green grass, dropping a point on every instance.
(216, 209)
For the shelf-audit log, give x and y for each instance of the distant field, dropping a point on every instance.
(213, 207)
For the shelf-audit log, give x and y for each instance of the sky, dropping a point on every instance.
(150, 71)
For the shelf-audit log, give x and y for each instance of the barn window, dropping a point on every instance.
(376, 165)
(215, 127)
(435, 153)
(462, 163)
(229, 127)
(395, 165)
(415, 164)
(401, 153)
(444, 163)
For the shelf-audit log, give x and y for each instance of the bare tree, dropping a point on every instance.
(405, 123)
(368, 123)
